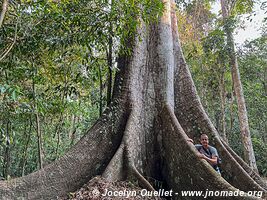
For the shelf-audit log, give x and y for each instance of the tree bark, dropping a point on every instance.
(223, 103)
(37, 122)
(265, 81)
(109, 57)
(3, 12)
(144, 131)
(58, 130)
(7, 161)
(231, 112)
(100, 90)
(72, 130)
(242, 110)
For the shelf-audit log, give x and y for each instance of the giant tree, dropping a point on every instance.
(144, 132)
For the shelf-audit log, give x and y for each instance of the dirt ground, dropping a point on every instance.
(96, 188)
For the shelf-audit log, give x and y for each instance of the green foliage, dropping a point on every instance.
(253, 69)
(242, 7)
(261, 152)
(230, 24)
(207, 56)
(52, 56)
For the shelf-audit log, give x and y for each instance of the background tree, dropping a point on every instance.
(253, 72)
(227, 10)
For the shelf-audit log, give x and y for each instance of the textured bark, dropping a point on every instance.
(242, 110)
(144, 132)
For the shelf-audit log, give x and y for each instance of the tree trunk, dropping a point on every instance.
(25, 150)
(100, 90)
(7, 161)
(265, 81)
(242, 110)
(143, 133)
(109, 57)
(231, 111)
(37, 122)
(223, 103)
(39, 142)
(73, 129)
(58, 130)
(3, 12)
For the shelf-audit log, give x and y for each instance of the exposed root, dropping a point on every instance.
(143, 182)
(130, 155)
(115, 169)
(122, 163)
(118, 166)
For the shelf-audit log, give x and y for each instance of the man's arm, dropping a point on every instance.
(213, 160)
(214, 156)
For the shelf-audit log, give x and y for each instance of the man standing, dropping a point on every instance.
(208, 152)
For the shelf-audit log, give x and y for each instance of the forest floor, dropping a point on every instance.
(96, 188)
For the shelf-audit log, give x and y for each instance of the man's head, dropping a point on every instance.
(204, 140)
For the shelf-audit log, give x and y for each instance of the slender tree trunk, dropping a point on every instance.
(265, 81)
(223, 103)
(59, 125)
(25, 151)
(37, 122)
(39, 138)
(3, 12)
(231, 112)
(73, 129)
(100, 90)
(72, 126)
(217, 117)
(6, 161)
(242, 110)
(109, 56)
(58, 130)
